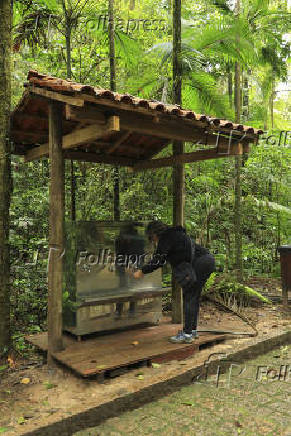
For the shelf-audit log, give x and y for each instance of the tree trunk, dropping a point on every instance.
(69, 76)
(229, 85)
(237, 178)
(112, 46)
(68, 36)
(116, 197)
(237, 95)
(165, 91)
(56, 231)
(178, 148)
(5, 174)
(73, 192)
(272, 103)
(68, 46)
(245, 102)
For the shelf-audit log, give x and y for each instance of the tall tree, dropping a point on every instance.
(5, 177)
(178, 148)
(238, 165)
(116, 199)
(69, 22)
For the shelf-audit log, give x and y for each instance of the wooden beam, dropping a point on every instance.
(75, 101)
(78, 137)
(86, 115)
(34, 136)
(22, 117)
(198, 155)
(26, 116)
(36, 153)
(171, 129)
(99, 158)
(56, 231)
(119, 141)
(87, 134)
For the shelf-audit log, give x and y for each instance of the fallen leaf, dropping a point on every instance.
(237, 424)
(140, 377)
(188, 403)
(11, 362)
(100, 366)
(155, 365)
(3, 367)
(3, 429)
(21, 420)
(25, 381)
(49, 385)
(135, 343)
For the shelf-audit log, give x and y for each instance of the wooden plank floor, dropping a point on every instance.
(99, 354)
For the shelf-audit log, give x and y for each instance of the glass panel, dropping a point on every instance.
(97, 254)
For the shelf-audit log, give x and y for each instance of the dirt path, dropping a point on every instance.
(247, 400)
(52, 396)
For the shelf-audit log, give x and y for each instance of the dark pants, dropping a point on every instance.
(204, 266)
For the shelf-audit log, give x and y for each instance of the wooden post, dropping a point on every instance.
(56, 231)
(5, 172)
(178, 219)
(178, 148)
(285, 261)
(112, 59)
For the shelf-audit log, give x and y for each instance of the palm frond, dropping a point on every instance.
(128, 47)
(229, 41)
(271, 205)
(210, 97)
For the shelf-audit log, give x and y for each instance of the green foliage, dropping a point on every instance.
(210, 48)
(226, 289)
(68, 304)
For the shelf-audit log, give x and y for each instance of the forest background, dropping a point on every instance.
(70, 38)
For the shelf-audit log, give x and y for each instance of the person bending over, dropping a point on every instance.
(173, 245)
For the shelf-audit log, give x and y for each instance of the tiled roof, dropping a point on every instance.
(145, 119)
(60, 85)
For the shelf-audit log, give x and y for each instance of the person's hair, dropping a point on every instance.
(155, 228)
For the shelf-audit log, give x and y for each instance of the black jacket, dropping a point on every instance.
(174, 247)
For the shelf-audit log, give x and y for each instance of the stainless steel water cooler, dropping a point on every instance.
(99, 295)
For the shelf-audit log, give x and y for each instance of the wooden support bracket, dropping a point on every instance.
(198, 155)
(78, 137)
(118, 142)
(73, 100)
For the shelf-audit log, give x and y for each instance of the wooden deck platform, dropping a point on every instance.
(106, 354)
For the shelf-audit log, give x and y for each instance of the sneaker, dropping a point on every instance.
(195, 334)
(181, 338)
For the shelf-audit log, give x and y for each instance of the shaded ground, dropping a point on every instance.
(249, 399)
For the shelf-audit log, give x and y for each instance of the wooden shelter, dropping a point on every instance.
(61, 119)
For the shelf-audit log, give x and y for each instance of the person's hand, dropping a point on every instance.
(138, 274)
